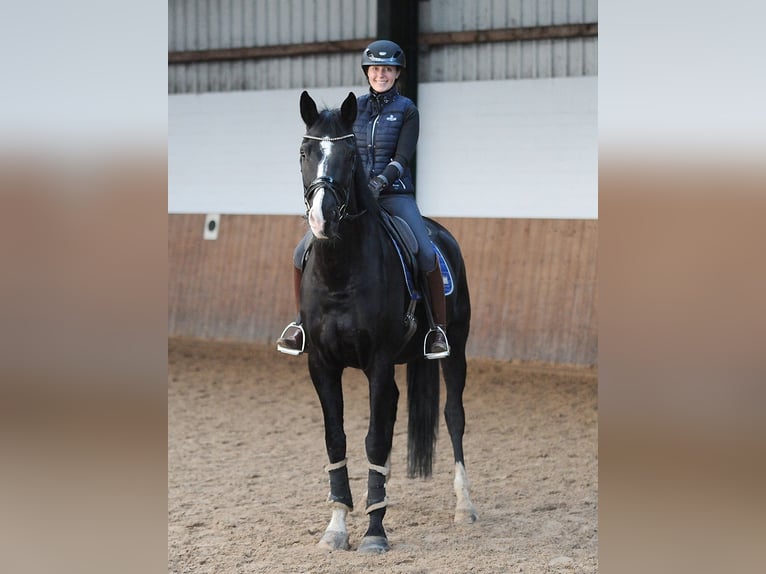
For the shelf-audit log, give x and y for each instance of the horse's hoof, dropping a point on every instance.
(466, 516)
(374, 545)
(332, 540)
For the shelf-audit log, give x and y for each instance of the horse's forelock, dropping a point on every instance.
(325, 124)
(328, 124)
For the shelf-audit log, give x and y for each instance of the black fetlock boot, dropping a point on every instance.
(292, 341)
(436, 344)
(375, 540)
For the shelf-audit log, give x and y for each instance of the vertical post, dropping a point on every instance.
(398, 22)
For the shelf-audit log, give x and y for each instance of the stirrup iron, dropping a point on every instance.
(293, 352)
(441, 354)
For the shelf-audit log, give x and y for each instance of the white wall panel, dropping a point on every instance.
(524, 148)
(237, 152)
(487, 149)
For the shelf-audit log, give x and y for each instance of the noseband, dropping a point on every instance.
(339, 191)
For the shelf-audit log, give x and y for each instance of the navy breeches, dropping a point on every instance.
(404, 206)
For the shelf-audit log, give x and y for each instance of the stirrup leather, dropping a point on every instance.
(293, 352)
(441, 354)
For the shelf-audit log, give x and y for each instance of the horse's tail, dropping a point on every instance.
(423, 407)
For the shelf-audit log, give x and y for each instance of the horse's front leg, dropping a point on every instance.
(384, 398)
(328, 387)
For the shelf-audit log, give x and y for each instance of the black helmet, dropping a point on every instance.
(383, 53)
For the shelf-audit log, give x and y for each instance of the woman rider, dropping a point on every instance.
(386, 131)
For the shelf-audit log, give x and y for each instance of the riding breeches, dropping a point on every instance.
(404, 206)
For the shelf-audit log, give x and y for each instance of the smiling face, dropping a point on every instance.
(382, 78)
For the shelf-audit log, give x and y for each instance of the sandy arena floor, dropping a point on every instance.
(246, 488)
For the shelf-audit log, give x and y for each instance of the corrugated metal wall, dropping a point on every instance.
(507, 60)
(210, 24)
(215, 24)
(534, 295)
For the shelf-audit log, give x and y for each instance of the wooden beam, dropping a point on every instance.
(343, 46)
(509, 35)
(273, 51)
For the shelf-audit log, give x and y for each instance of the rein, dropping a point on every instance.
(339, 191)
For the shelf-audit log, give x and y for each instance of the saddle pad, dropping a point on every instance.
(449, 285)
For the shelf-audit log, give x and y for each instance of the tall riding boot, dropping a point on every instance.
(293, 340)
(439, 347)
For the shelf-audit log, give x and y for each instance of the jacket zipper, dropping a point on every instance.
(371, 152)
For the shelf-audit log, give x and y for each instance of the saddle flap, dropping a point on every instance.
(405, 234)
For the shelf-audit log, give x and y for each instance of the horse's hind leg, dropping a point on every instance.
(384, 397)
(328, 387)
(454, 371)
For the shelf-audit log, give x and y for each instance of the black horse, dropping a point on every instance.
(354, 299)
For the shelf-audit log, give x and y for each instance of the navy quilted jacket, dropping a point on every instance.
(386, 130)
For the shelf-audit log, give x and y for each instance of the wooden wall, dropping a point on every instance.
(533, 283)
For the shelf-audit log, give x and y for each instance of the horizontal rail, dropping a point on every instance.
(509, 34)
(342, 46)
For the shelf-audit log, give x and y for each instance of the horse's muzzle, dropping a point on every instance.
(326, 204)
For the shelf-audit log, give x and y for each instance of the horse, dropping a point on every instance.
(354, 300)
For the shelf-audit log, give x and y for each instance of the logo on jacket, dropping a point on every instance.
(391, 117)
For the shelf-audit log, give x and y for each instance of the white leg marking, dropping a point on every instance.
(335, 537)
(316, 219)
(464, 509)
(338, 520)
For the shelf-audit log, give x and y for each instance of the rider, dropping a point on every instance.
(386, 133)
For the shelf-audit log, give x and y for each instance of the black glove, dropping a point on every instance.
(377, 184)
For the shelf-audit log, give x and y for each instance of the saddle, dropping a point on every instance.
(406, 245)
(407, 248)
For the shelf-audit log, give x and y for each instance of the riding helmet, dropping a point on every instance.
(383, 53)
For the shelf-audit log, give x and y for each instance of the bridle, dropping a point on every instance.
(339, 191)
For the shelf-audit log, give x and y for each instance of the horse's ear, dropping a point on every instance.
(348, 110)
(309, 111)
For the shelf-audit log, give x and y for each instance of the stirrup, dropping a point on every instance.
(441, 354)
(288, 351)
